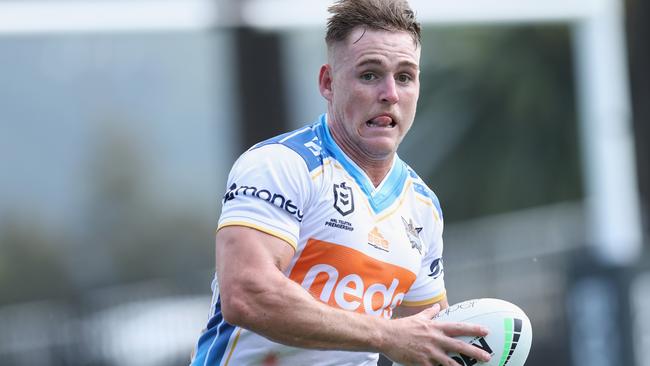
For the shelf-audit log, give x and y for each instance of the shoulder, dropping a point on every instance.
(422, 190)
(284, 161)
(303, 144)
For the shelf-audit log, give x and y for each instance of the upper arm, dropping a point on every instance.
(248, 263)
(267, 193)
(241, 247)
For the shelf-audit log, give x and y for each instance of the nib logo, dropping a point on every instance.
(436, 268)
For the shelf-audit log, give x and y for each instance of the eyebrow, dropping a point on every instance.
(376, 61)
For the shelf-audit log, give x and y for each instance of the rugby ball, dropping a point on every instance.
(510, 334)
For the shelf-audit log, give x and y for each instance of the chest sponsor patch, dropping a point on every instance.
(348, 279)
(377, 240)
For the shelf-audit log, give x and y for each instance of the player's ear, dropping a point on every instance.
(325, 81)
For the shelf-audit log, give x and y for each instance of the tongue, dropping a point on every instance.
(382, 121)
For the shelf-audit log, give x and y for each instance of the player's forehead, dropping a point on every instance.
(369, 46)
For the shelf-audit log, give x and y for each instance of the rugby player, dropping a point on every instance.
(329, 246)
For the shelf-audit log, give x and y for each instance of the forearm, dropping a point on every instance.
(256, 295)
(284, 312)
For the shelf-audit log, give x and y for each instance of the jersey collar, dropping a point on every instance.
(388, 190)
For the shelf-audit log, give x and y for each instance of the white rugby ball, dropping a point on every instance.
(510, 334)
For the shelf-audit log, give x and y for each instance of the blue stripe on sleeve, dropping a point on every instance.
(213, 343)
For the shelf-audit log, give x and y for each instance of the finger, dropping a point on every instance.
(456, 329)
(466, 349)
(442, 359)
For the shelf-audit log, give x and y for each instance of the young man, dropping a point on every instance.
(325, 233)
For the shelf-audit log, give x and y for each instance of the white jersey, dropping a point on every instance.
(357, 247)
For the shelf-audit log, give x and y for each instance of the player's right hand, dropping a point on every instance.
(420, 340)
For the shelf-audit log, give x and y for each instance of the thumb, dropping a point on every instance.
(432, 311)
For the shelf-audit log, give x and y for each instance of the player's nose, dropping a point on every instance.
(388, 92)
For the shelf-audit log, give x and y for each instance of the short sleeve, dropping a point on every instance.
(267, 190)
(429, 285)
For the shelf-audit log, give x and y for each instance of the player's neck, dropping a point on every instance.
(377, 175)
(375, 168)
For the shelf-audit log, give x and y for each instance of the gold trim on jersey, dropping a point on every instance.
(232, 348)
(425, 302)
(430, 204)
(321, 169)
(260, 228)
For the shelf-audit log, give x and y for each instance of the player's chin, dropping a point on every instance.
(381, 149)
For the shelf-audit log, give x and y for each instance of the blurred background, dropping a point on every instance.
(119, 121)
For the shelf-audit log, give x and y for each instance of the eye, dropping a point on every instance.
(404, 78)
(368, 76)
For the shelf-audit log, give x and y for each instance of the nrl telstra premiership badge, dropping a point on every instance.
(343, 199)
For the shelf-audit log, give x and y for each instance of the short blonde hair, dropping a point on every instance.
(389, 15)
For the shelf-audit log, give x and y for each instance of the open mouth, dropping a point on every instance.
(381, 121)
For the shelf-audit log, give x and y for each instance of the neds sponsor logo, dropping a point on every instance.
(348, 279)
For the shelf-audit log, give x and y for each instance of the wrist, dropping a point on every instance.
(381, 335)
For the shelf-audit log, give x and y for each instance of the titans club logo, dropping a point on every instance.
(413, 234)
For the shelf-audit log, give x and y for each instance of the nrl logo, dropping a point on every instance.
(343, 200)
(413, 234)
